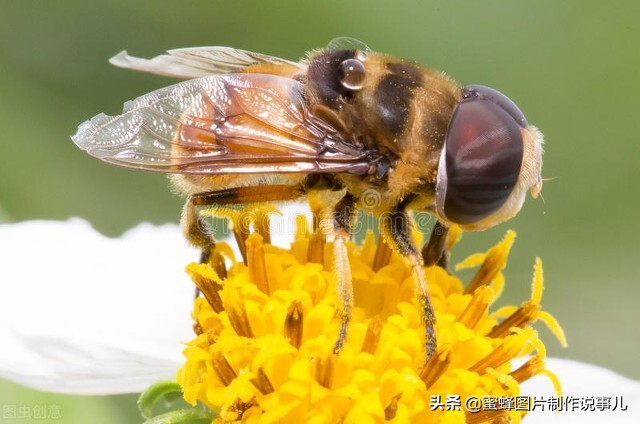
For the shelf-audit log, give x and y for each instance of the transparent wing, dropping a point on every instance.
(234, 123)
(197, 62)
(347, 43)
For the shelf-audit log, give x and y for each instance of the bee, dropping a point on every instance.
(248, 128)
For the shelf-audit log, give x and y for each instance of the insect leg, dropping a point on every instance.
(344, 216)
(396, 228)
(199, 235)
(434, 252)
(196, 230)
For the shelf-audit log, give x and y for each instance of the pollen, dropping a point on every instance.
(266, 328)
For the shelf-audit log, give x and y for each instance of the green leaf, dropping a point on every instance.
(183, 416)
(162, 390)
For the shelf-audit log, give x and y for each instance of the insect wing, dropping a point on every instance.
(234, 123)
(195, 62)
(347, 43)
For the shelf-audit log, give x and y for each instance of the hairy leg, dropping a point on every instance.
(344, 216)
(433, 252)
(396, 228)
(196, 230)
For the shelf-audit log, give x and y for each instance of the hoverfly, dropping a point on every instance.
(248, 127)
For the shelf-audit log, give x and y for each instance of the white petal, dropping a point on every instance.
(583, 381)
(79, 367)
(83, 313)
(283, 227)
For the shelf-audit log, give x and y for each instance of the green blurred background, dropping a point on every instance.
(571, 66)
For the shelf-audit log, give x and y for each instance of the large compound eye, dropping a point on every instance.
(352, 74)
(481, 157)
(482, 92)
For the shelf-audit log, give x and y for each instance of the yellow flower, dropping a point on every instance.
(266, 331)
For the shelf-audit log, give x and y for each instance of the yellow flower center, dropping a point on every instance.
(266, 331)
